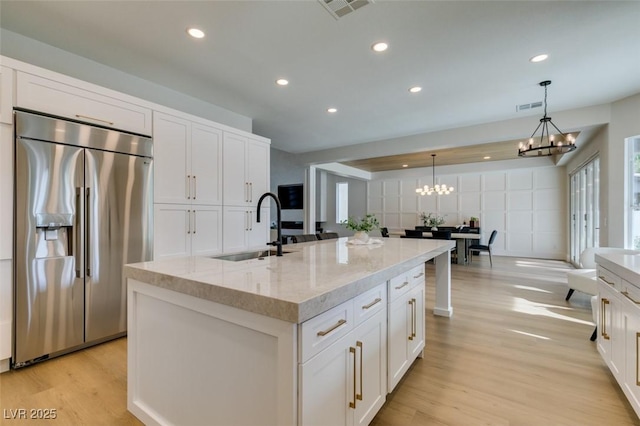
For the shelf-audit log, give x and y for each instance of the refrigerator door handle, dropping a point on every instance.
(87, 208)
(78, 230)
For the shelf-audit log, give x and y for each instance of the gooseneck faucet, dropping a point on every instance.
(278, 242)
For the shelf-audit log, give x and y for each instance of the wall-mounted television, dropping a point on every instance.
(291, 196)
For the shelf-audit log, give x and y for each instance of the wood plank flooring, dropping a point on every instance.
(514, 353)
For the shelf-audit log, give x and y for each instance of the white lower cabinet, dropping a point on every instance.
(619, 332)
(345, 383)
(6, 313)
(187, 230)
(406, 325)
(242, 231)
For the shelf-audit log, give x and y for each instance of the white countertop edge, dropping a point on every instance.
(626, 266)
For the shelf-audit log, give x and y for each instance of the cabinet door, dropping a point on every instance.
(236, 220)
(258, 171)
(171, 226)
(371, 371)
(6, 95)
(6, 308)
(172, 181)
(206, 230)
(206, 164)
(327, 385)
(610, 335)
(258, 234)
(631, 320)
(235, 184)
(416, 345)
(6, 191)
(399, 334)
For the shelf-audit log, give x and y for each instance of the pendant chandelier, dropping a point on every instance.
(438, 189)
(547, 144)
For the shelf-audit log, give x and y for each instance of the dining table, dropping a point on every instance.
(463, 241)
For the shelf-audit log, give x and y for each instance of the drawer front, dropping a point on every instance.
(404, 282)
(370, 303)
(321, 331)
(630, 292)
(609, 278)
(52, 97)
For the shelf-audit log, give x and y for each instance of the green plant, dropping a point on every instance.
(430, 219)
(474, 219)
(366, 224)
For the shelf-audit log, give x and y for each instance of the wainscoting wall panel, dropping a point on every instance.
(528, 207)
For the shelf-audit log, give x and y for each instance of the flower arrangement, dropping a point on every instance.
(430, 219)
(366, 224)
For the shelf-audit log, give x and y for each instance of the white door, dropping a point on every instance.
(585, 218)
(206, 230)
(171, 159)
(399, 334)
(416, 296)
(206, 164)
(171, 236)
(235, 184)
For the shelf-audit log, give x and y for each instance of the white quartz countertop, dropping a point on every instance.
(310, 279)
(626, 266)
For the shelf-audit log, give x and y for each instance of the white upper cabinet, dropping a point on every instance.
(245, 169)
(70, 98)
(187, 159)
(6, 95)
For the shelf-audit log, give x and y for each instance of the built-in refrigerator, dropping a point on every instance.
(83, 209)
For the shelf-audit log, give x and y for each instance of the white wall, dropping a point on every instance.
(527, 206)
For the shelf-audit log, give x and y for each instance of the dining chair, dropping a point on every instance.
(412, 233)
(384, 232)
(303, 238)
(482, 247)
(327, 235)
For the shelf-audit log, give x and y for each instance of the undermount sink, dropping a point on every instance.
(237, 257)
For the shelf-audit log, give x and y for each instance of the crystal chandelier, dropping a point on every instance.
(547, 144)
(438, 189)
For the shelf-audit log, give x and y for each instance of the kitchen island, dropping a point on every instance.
(317, 336)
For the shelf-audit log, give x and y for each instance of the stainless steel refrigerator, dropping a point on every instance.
(83, 209)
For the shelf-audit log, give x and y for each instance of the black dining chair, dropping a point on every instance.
(327, 235)
(412, 233)
(303, 238)
(384, 232)
(481, 247)
(445, 235)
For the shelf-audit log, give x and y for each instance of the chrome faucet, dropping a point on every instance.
(278, 242)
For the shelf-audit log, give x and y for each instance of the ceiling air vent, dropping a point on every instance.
(525, 107)
(339, 8)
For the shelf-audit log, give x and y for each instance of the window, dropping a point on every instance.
(633, 193)
(342, 201)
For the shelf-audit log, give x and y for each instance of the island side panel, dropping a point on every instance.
(443, 285)
(192, 361)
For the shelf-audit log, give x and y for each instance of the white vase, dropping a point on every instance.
(361, 236)
(434, 228)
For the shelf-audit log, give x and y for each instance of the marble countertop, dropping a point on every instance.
(626, 266)
(312, 278)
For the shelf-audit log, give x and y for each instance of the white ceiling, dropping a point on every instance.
(471, 58)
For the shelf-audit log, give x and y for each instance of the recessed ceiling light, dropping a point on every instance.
(405, 165)
(195, 32)
(415, 89)
(486, 157)
(282, 82)
(380, 46)
(332, 110)
(539, 58)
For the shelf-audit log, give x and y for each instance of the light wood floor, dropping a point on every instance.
(514, 353)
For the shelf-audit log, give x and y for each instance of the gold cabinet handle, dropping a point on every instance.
(605, 280)
(188, 221)
(411, 332)
(352, 350)
(195, 188)
(359, 345)
(110, 123)
(603, 323)
(251, 192)
(419, 275)
(626, 294)
(188, 188)
(378, 300)
(404, 284)
(194, 221)
(333, 327)
(414, 318)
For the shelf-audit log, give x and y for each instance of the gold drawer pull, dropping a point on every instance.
(626, 293)
(411, 333)
(329, 330)
(603, 329)
(419, 275)
(637, 350)
(378, 300)
(359, 395)
(404, 284)
(605, 280)
(110, 123)
(352, 350)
